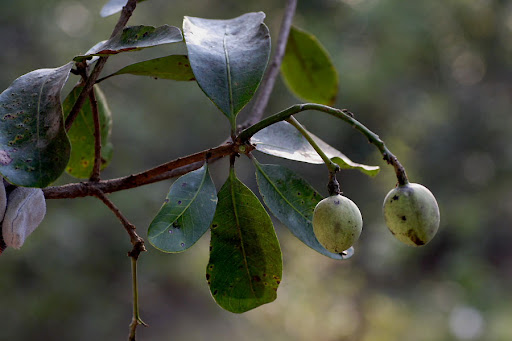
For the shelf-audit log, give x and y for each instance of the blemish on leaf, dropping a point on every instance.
(404, 218)
(256, 278)
(5, 159)
(207, 277)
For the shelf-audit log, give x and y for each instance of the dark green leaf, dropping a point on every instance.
(81, 134)
(135, 38)
(283, 140)
(186, 213)
(245, 264)
(292, 200)
(308, 70)
(228, 58)
(175, 67)
(34, 147)
(114, 6)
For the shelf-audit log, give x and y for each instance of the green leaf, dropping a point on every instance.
(186, 213)
(175, 67)
(114, 6)
(228, 58)
(245, 264)
(81, 134)
(307, 69)
(34, 147)
(135, 38)
(283, 140)
(292, 200)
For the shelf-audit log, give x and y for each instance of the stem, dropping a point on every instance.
(331, 166)
(165, 171)
(97, 137)
(136, 320)
(121, 23)
(138, 247)
(267, 85)
(344, 115)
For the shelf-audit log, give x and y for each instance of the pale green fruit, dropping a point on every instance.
(337, 223)
(411, 214)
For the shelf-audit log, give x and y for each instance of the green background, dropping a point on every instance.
(432, 78)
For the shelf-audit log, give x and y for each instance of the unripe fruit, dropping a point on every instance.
(411, 214)
(337, 223)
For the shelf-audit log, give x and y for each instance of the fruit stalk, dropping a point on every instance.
(344, 115)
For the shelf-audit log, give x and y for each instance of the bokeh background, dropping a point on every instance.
(432, 78)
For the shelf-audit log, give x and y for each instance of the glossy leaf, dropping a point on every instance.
(283, 140)
(81, 134)
(292, 200)
(308, 70)
(135, 38)
(245, 264)
(34, 147)
(114, 6)
(186, 213)
(228, 58)
(175, 67)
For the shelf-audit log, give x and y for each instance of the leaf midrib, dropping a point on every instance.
(280, 193)
(233, 179)
(186, 207)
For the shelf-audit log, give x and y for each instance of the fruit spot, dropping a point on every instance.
(414, 238)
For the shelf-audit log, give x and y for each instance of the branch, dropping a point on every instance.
(267, 85)
(138, 247)
(126, 13)
(137, 242)
(165, 171)
(97, 137)
(344, 115)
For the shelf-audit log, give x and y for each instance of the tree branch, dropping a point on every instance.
(267, 85)
(126, 13)
(167, 170)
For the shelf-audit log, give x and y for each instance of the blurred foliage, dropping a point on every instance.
(433, 78)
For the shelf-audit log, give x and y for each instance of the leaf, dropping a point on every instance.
(34, 147)
(186, 213)
(292, 200)
(228, 58)
(135, 38)
(175, 67)
(308, 70)
(81, 134)
(245, 266)
(114, 6)
(283, 140)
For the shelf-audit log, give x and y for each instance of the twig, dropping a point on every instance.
(344, 115)
(138, 247)
(97, 137)
(126, 13)
(136, 320)
(167, 170)
(137, 242)
(267, 85)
